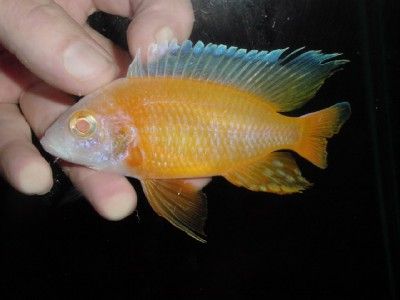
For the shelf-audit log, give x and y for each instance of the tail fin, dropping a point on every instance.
(317, 127)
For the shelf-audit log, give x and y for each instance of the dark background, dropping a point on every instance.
(339, 239)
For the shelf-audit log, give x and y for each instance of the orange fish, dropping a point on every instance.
(201, 111)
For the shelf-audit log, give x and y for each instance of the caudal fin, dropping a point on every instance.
(317, 127)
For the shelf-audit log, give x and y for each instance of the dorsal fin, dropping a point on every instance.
(286, 81)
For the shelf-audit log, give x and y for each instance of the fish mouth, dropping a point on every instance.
(51, 149)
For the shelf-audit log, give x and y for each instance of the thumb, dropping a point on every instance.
(54, 46)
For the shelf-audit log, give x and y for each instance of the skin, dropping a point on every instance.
(47, 54)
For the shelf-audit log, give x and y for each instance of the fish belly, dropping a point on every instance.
(194, 128)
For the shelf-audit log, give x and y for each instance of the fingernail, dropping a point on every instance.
(84, 61)
(164, 35)
(162, 38)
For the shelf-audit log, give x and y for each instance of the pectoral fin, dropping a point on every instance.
(277, 173)
(180, 203)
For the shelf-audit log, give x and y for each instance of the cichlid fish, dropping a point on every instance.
(200, 111)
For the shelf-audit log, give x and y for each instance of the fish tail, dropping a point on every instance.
(317, 127)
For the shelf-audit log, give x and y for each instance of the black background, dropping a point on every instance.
(337, 240)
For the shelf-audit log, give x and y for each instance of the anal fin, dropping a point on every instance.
(182, 204)
(277, 173)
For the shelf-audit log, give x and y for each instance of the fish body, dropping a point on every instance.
(194, 128)
(201, 111)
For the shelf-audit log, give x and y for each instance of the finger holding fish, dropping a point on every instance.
(53, 45)
(30, 173)
(70, 58)
(111, 195)
(170, 20)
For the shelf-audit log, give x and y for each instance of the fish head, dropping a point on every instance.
(91, 136)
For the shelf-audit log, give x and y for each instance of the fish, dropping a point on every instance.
(196, 110)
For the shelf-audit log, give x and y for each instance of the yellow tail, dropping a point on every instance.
(317, 127)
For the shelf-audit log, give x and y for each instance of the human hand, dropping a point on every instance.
(47, 53)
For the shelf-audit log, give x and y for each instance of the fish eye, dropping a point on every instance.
(82, 124)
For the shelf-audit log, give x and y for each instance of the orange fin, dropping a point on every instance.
(180, 203)
(317, 127)
(277, 173)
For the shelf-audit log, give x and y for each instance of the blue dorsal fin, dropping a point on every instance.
(286, 81)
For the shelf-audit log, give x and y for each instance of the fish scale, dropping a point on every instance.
(235, 128)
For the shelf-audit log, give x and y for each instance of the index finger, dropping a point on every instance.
(153, 20)
(159, 21)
